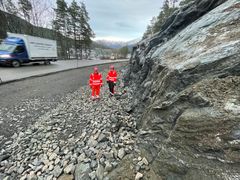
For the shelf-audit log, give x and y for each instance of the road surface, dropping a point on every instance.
(10, 74)
(21, 102)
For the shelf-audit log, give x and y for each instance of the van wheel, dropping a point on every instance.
(47, 62)
(16, 64)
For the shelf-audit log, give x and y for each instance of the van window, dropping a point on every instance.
(7, 47)
(19, 49)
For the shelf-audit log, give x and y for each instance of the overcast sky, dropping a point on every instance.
(121, 19)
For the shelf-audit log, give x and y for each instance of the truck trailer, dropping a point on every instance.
(18, 49)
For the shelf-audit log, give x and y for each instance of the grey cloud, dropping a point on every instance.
(121, 18)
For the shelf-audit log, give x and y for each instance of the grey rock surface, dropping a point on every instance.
(188, 116)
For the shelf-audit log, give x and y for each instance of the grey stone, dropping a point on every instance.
(20, 170)
(109, 155)
(100, 171)
(102, 160)
(57, 160)
(138, 168)
(81, 171)
(7, 178)
(121, 153)
(114, 164)
(93, 175)
(53, 156)
(50, 177)
(32, 176)
(102, 138)
(108, 166)
(4, 157)
(69, 169)
(57, 171)
(92, 142)
(66, 177)
(38, 168)
(145, 161)
(93, 164)
(51, 167)
(24, 177)
(138, 176)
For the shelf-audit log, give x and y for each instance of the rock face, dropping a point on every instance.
(188, 95)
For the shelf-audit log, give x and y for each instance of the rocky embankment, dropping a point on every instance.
(187, 101)
(80, 139)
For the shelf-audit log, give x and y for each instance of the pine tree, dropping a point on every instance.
(74, 23)
(71, 25)
(150, 28)
(148, 32)
(60, 25)
(123, 51)
(166, 11)
(86, 33)
(61, 17)
(25, 7)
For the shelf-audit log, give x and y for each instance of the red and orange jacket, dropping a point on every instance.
(112, 76)
(95, 79)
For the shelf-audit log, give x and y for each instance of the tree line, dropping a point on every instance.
(70, 23)
(168, 8)
(73, 22)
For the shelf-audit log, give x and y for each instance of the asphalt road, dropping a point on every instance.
(27, 70)
(23, 101)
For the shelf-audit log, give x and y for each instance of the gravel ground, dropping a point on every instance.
(22, 102)
(77, 139)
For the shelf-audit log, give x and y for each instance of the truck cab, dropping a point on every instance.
(13, 52)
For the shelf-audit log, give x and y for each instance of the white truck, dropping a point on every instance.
(17, 49)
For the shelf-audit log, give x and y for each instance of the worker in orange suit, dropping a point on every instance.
(95, 82)
(112, 79)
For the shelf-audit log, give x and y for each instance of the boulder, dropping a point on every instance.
(81, 171)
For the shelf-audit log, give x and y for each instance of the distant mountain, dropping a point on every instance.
(132, 43)
(111, 44)
(117, 44)
(99, 45)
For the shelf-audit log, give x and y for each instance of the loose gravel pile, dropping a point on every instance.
(80, 139)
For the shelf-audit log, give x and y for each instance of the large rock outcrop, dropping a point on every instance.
(188, 96)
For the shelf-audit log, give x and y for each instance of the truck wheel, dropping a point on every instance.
(16, 64)
(47, 62)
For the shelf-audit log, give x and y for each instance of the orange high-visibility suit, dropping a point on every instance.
(95, 82)
(112, 79)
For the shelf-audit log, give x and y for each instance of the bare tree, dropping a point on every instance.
(41, 10)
